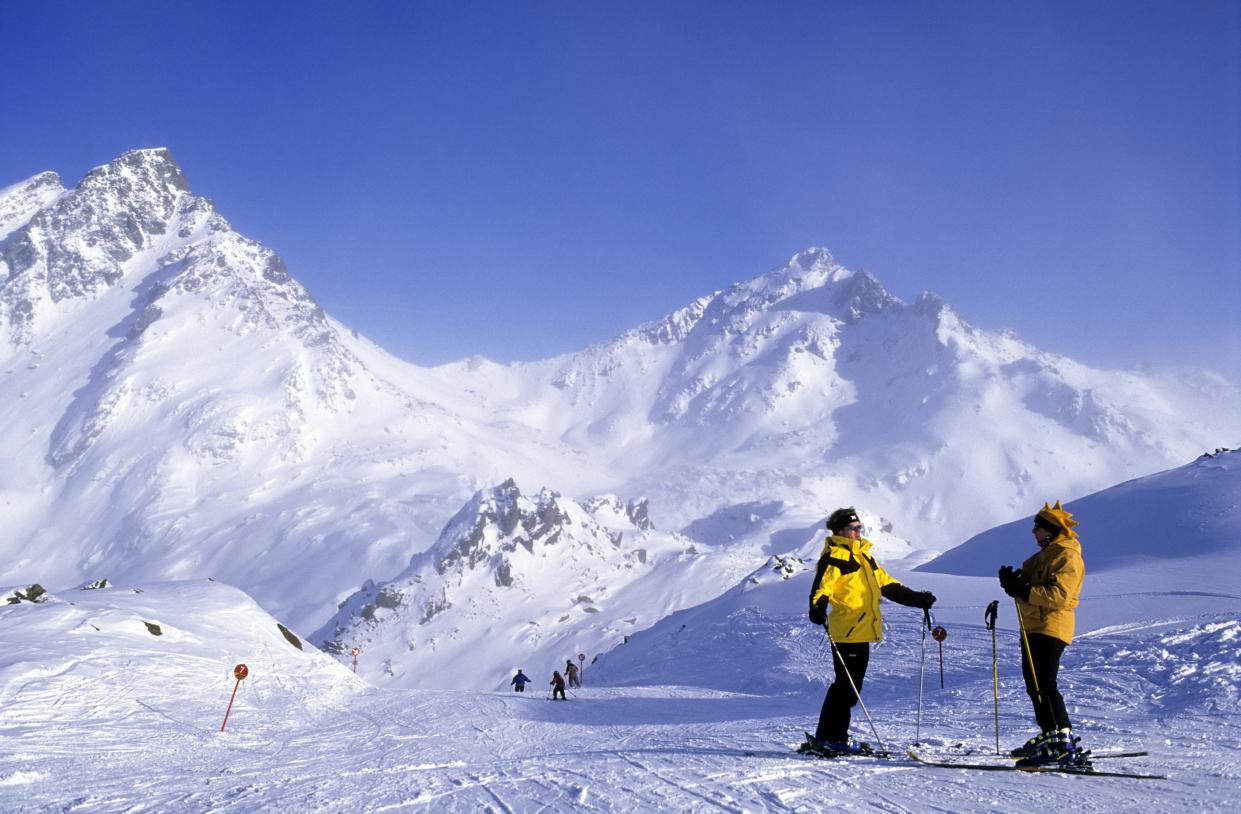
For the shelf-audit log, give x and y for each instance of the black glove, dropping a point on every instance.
(901, 595)
(1014, 583)
(818, 611)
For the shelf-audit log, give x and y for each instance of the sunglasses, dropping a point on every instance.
(854, 527)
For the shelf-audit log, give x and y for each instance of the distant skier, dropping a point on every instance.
(557, 683)
(520, 681)
(850, 582)
(1047, 587)
(571, 672)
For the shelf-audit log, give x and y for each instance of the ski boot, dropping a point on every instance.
(821, 748)
(851, 747)
(1059, 750)
(1032, 746)
(814, 746)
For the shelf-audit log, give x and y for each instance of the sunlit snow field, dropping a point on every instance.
(100, 715)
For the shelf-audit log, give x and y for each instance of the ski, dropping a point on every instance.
(981, 755)
(842, 755)
(1001, 767)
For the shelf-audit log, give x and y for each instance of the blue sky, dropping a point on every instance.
(522, 179)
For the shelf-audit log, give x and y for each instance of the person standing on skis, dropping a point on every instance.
(1046, 588)
(844, 597)
(520, 681)
(571, 672)
(557, 683)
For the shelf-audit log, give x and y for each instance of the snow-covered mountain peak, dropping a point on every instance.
(137, 174)
(813, 259)
(19, 202)
(77, 245)
(734, 309)
(491, 527)
(560, 566)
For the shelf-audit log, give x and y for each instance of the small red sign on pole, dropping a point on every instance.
(939, 634)
(239, 672)
(355, 651)
(581, 671)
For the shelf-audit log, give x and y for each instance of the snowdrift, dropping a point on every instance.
(163, 653)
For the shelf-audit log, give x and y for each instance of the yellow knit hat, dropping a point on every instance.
(1057, 516)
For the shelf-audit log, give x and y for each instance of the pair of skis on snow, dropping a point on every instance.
(1013, 767)
(939, 762)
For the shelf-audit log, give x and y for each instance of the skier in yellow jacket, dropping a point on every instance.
(848, 583)
(1046, 588)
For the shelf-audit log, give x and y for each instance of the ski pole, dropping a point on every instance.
(926, 625)
(856, 694)
(989, 618)
(1025, 640)
(1021, 623)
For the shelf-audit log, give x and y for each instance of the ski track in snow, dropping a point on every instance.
(613, 749)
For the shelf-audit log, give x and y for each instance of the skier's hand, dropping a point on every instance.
(1014, 583)
(818, 611)
(925, 599)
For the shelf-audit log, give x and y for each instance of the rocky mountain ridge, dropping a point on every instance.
(531, 576)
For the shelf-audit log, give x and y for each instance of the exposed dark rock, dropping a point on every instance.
(290, 635)
(35, 593)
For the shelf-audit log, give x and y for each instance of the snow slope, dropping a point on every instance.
(162, 653)
(1190, 511)
(117, 720)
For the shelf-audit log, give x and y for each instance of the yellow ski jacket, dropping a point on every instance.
(851, 580)
(1055, 574)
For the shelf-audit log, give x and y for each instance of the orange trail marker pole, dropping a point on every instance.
(355, 653)
(239, 672)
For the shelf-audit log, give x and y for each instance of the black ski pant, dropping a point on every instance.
(838, 704)
(519, 688)
(1049, 708)
(558, 692)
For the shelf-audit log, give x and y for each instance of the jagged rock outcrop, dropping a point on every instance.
(541, 558)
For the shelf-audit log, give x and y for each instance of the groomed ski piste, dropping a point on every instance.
(700, 713)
